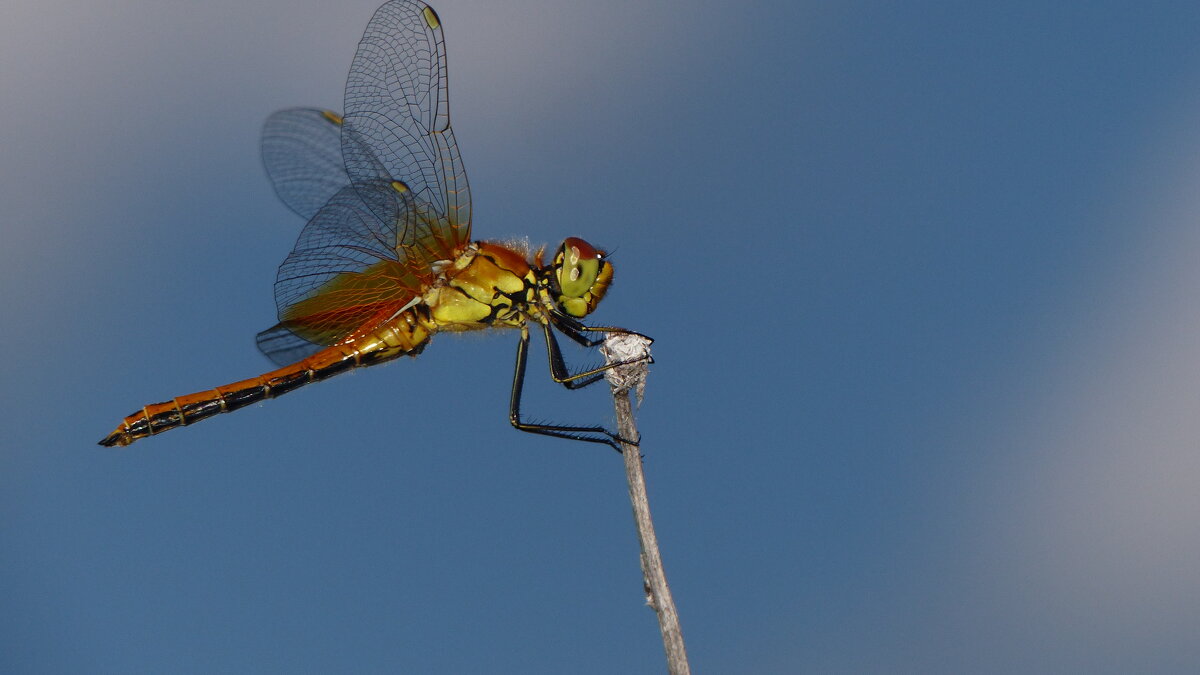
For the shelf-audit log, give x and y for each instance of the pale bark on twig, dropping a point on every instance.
(624, 381)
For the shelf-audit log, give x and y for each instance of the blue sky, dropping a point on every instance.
(922, 279)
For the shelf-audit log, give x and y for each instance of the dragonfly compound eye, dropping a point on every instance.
(583, 276)
(578, 267)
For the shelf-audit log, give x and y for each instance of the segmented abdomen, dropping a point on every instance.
(405, 334)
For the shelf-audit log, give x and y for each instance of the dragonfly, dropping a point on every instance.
(386, 258)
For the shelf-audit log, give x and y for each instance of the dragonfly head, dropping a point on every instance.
(581, 276)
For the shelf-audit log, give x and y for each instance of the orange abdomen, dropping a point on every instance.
(405, 334)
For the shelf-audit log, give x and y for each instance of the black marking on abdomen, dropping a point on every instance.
(278, 386)
(242, 397)
(165, 420)
(135, 430)
(339, 366)
(194, 412)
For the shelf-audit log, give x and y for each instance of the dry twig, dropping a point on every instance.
(624, 347)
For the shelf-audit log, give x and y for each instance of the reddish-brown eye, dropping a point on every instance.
(579, 268)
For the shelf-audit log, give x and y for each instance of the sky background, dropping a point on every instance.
(923, 279)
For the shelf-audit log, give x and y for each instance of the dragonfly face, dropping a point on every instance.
(386, 260)
(581, 277)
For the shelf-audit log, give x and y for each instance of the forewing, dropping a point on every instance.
(302, 151)
(397, 122)
(346, 274)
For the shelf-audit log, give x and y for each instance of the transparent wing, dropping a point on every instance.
(397, 123)
(348, 272)
(283, 346)
(302, 151)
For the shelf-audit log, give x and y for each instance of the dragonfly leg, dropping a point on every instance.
(573, 330)
(589, 434)
(558, 367)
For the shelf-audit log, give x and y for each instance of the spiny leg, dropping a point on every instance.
(573, 329)
(560, 431)
(558, 367)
